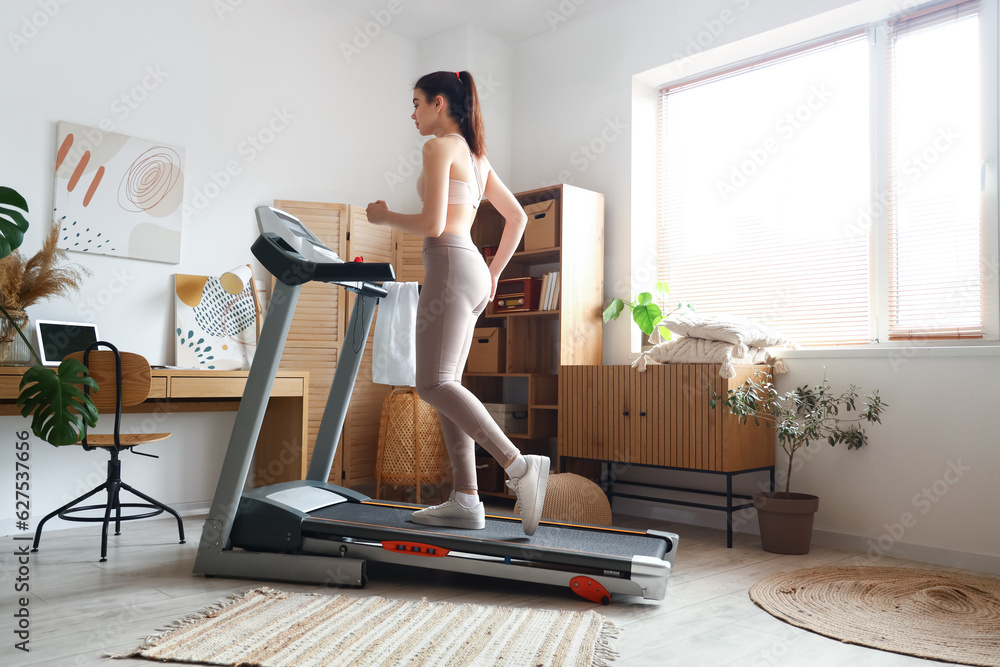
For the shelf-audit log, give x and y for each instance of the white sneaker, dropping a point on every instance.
(530, 491)
(451, 513)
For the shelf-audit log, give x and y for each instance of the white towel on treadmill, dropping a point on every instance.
(394, 358)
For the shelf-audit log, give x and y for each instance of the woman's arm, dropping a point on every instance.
(433, 216)
(515, 221)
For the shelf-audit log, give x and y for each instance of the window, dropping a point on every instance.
(934, 179)
(835, 191)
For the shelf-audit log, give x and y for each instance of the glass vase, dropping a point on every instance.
(13, 350)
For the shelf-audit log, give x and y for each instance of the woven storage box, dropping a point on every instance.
(570, 497)
(489, 474)
(411, 449)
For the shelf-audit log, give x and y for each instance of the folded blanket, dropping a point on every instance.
(743, 332)
(687, 350)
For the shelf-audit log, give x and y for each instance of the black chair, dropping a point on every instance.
(123, 379)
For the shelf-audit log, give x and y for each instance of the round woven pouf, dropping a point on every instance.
(925, 613)
(570, 497)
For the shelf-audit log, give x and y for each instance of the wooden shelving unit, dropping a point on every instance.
(540, 342)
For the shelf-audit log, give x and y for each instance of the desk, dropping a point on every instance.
(281, 450)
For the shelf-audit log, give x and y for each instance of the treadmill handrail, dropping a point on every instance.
(291, 268)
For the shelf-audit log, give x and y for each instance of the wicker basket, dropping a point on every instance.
(411, 449)
(570, 497)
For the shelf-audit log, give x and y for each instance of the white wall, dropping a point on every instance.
(221, 76)
(927, 477)
(490, 60)
(574, 88)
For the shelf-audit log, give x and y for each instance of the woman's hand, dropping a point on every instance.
(376, 212)
(494, 278)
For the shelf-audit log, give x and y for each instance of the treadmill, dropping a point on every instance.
(312, 531)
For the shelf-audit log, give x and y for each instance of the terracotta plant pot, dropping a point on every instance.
(786, 521)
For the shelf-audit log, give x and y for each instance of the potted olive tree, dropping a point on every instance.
(803, 415)
(55, 401)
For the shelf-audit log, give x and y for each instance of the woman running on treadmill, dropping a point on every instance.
(457, 286)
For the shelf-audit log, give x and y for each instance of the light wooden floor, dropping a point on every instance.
(80, 608)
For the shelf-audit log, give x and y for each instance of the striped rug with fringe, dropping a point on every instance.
(268, 627)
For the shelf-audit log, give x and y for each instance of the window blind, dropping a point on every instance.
(934, 202)
(763, 186)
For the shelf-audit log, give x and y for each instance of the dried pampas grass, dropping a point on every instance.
(26, 282)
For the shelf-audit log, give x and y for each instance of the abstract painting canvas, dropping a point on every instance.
(118, 195)
(213, 328)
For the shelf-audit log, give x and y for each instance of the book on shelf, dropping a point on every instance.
(543, 292)
(549, 299)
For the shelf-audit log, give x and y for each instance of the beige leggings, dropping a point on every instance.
(455, 291)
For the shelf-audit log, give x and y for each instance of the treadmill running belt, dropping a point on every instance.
(612, 548)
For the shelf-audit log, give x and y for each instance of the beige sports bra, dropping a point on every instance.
(459, 192)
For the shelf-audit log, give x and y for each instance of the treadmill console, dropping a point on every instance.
(294, 255)
(295, 234)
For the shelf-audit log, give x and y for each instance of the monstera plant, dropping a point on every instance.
(55, 401)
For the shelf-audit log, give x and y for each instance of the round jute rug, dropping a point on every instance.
(925, 613)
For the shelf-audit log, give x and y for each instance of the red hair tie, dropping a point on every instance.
(458, 76)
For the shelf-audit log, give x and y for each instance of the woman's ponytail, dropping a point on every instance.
(472, 122)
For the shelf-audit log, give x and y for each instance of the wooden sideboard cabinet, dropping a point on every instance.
(662, 418)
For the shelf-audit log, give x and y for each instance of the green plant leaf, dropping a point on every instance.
(662, 288)
(805, 414)
(13, 224)
(56, 402)
(613, 310)
(642, 298)
(647, 317)
(665, 333)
